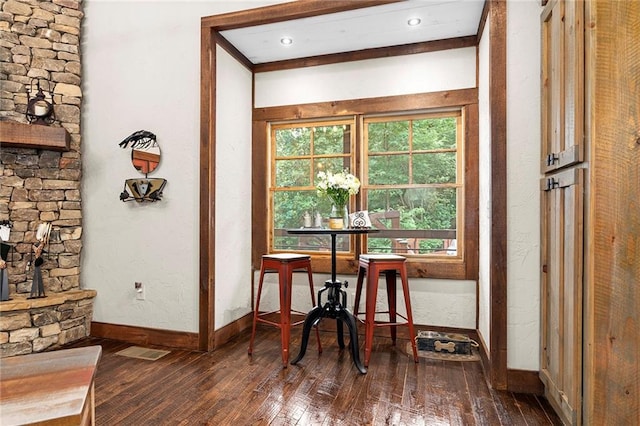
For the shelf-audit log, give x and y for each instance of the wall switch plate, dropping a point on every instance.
(139, 291)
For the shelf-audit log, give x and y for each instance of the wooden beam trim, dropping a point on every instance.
(259, 192)
(472, 217)
(524, 381)
(231, 49)
(233, 329)
(145, 336)
(365, 54)
(444, 99)
(498, 250)
(33, 136)
(207, 191)
(483, 22)
(285, 12)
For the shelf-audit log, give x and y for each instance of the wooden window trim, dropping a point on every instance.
(458, 185)
(270, 162)
(465, 99)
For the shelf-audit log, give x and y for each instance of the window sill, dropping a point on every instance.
(436, 268)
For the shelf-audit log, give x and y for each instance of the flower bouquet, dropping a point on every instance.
(338, 187)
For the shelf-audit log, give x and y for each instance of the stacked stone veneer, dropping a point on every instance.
(44, 324)
(41, 39)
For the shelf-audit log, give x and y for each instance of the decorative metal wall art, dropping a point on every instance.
(145, 157)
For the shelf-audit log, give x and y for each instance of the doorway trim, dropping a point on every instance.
(496, 365)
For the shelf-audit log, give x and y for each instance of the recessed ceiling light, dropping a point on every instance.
(414, 22)
(286, 41)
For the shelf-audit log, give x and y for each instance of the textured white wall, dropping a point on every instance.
(523, 199)
(523, 194)
(233, 190)
(435, 302)
(484, 155)
(141, 70)
(426, 72)
(444, 303)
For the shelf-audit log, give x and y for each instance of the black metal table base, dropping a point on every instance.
(335, 308)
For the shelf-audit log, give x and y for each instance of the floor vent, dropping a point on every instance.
(143, 353)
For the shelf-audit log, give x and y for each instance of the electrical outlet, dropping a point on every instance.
(139, 291)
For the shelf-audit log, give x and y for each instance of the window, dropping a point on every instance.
(299, 151)
(413, 183)
(417, 158)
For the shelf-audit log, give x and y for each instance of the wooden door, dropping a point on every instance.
(562, 84)
(561, 298)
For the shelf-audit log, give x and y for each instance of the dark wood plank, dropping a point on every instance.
(484, 410)
(442, 99)
(145, 335)
(498, 250)
(21, 135)
(227, 386)
(528, 405)
(506, 408)
(206, 299)
(365, 54)
(284, 12)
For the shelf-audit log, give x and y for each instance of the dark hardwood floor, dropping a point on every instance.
(227, 387)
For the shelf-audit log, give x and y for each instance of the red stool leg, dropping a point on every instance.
(370, 317)
(256, 309)
(390, 275)
(285, 282)
(407, 301)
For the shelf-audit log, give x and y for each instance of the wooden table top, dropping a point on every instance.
(47, 385)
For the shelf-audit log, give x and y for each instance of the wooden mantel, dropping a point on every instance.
(21, 135)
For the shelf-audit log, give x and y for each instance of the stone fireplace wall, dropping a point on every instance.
(41, 39)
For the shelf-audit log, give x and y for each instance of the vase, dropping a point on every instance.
(345, 217)
(339, 217)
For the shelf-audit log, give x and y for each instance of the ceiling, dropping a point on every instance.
(366, 28)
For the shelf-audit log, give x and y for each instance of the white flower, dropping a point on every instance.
(338, 186)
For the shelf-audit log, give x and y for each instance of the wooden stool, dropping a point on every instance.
(285, 264)
(372, 265)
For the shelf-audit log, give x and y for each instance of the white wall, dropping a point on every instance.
(523, 199)
(523, 193)
(484, 195)
(446, 303)
(441, 303)
(233, 190)
(426, 72)
(141, 70)
(141, 63)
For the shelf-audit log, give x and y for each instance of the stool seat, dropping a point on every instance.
(286, 256)
(284, 264)
(379, 257)
(371, 266)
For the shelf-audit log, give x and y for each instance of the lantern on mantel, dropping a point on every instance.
(39, 103)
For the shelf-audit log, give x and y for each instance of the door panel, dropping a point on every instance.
(562, 85)
(561, 298)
